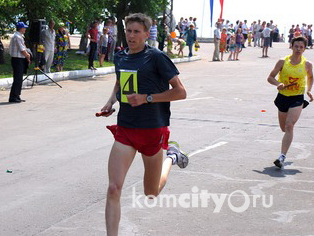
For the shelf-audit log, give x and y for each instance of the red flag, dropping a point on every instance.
(222, 8)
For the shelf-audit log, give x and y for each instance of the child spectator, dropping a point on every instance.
(103, 46)
(249, 37)
(41, 56)
(169, 45)
(232, 48)
(181, 44)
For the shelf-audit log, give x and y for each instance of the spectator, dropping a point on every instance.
(153, 34)
(244, 32)
(194, 23)
(113, 38)
(291, 34)
(217, 36)
(272, 27)
(232, 46)
(48, 40)
(189, 22)
(103, 46)
(297, 31)
(162, 33)
(282, 38)
(92, 35)
(62, 45)
(180, 26)
(169, 45)
(181, 44)
(303, 30)
(239, 38)
(20, 59)
(263, 26)
(109, 26)
(191, 38)
(276, 34)
(184, 26)
(309, 36)
(266, 35)
(222, 44)
(249, 38)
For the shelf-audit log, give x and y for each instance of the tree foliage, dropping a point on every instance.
(80, 13)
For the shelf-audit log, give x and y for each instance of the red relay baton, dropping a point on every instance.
(102, 113)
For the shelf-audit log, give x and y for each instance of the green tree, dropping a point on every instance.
(121, 8)
(79, 12)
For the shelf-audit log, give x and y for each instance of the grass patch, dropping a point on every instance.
(72, 62)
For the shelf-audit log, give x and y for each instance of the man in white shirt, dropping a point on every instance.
(190, 22)
(257, 34)
(217, 36)
(153, 31)
(20, 59)
(244, 32)
(303, 30)
(48, 39)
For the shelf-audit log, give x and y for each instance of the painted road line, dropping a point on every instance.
(193, 99)
(207, 148)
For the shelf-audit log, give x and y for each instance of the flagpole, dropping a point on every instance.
(203, 19)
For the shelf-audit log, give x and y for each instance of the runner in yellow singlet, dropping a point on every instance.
(291, 84)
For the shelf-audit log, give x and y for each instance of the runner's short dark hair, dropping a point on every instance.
(141, 18)
(300, 38)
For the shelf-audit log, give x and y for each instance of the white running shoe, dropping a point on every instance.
(182, 159)
(280, 162)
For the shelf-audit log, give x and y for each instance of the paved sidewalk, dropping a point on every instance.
(76, 74)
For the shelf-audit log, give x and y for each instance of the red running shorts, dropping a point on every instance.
(145, 141)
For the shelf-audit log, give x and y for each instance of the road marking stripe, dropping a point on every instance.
(193, 99)
(207, 148)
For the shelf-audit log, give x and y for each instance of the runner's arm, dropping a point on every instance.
(177, 92)
(112, 99)
(272, 76)
(309, 70)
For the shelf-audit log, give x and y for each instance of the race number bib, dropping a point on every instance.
(128, 83)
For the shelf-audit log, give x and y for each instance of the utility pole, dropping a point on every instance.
(168, 16)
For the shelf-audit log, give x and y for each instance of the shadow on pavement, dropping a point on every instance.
(6, 103)
(274, 171)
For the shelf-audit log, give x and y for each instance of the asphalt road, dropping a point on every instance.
(57, 151)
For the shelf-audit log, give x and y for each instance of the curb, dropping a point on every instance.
(76, 74)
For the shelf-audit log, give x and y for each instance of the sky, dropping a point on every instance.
(284, 13)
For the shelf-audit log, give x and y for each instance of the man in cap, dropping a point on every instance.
(20, 59)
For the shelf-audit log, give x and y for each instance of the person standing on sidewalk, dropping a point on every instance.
(191, 38)
(20, 60)
(293, 70)
(153, 34)
(48, 40)
(113, 31)
(142, 89)
(267, 38)
(257, 34)
(92, 35)
(217, 36)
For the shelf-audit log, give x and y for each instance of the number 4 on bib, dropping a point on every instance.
(128, 83)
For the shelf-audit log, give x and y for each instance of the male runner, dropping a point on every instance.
(291, 87)
(142, 89)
